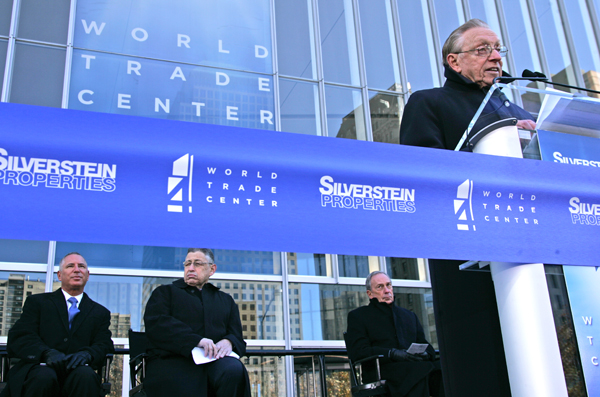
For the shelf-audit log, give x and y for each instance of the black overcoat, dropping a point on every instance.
(379, 327)
(44, 325)
(438, 117)
(174, 317)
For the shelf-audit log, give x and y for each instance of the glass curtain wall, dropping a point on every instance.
(342, 68)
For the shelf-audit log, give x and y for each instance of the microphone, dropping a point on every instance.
(529, 73)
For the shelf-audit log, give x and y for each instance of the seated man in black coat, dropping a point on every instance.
(191, 313)
(382, 328)
(61, 337)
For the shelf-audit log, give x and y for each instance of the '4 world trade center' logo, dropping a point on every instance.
(463, 205)
(179, 182)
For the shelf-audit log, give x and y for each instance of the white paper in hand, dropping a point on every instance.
(200, 357)
(417, 348)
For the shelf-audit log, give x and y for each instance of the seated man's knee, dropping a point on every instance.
(41, 379)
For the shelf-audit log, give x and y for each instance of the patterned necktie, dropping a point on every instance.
(73, 310)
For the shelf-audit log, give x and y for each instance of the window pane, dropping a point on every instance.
(419, 53)
(379, 44)
(24, 251)
(295, 38)
(386, 112)
(168, 258)
(486, 11)
(585, 43)
(38, 75)
(299, 104)
(522, 47)
(267, 375)
(309, 264)
(324, 309)
(403, 268)
(555, 43)
(5, 15)
(338, 41)
(226, 33)
(357, 266)
(345, 115)
(44, 20)
(3, 47)
(15, 287)
(450, 15)
(143, 87)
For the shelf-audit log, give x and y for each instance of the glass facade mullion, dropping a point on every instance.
(69, 55)
(570, 42)
(10, 52)
(548, 23)
(585, 40)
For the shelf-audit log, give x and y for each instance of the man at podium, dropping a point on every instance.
(438, 117)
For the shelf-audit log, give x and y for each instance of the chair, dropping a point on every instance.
(360, 389)
(137, 362)
(104, 372)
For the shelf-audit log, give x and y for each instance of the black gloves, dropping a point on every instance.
(77, 359)
(403, 355)
(60, 362)
(53, 358)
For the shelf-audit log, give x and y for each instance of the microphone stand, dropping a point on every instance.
(542, 80)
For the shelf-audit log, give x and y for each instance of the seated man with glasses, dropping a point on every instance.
(192, 313)
(438, 117)
(382, 328)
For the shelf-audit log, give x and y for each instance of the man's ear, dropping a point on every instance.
(369, 294)
(453, 62)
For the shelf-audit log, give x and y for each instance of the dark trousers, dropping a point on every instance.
(179, 376)
(43, 381)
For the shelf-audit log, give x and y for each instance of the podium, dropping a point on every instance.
(528, 330)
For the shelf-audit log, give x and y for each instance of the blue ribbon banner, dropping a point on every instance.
(80, 176)
(582, 283)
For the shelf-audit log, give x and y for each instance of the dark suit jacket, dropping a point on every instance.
(379, 327)
(174, 320)
(44, 325)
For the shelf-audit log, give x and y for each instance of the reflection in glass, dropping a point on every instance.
(379, 45)
(38, 75)
(419, 52)
(226, 33)
(386, 112)
(555, 43)
(295, 38)
(308, 375)
(44, 20)
(356, 265)
(403, 268)
(23, 251)
(323, 309)
(585, 43)
(338, 42)
(299, 107)
(345, 114)
(15, 287)
(168, 258)
(3, 47)
(522, 47)
(309, 264)
(267, 375)
(450, 15)
(260, 305)
(486, 11)
(565, 330)
(142, 87)
(5, 15)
